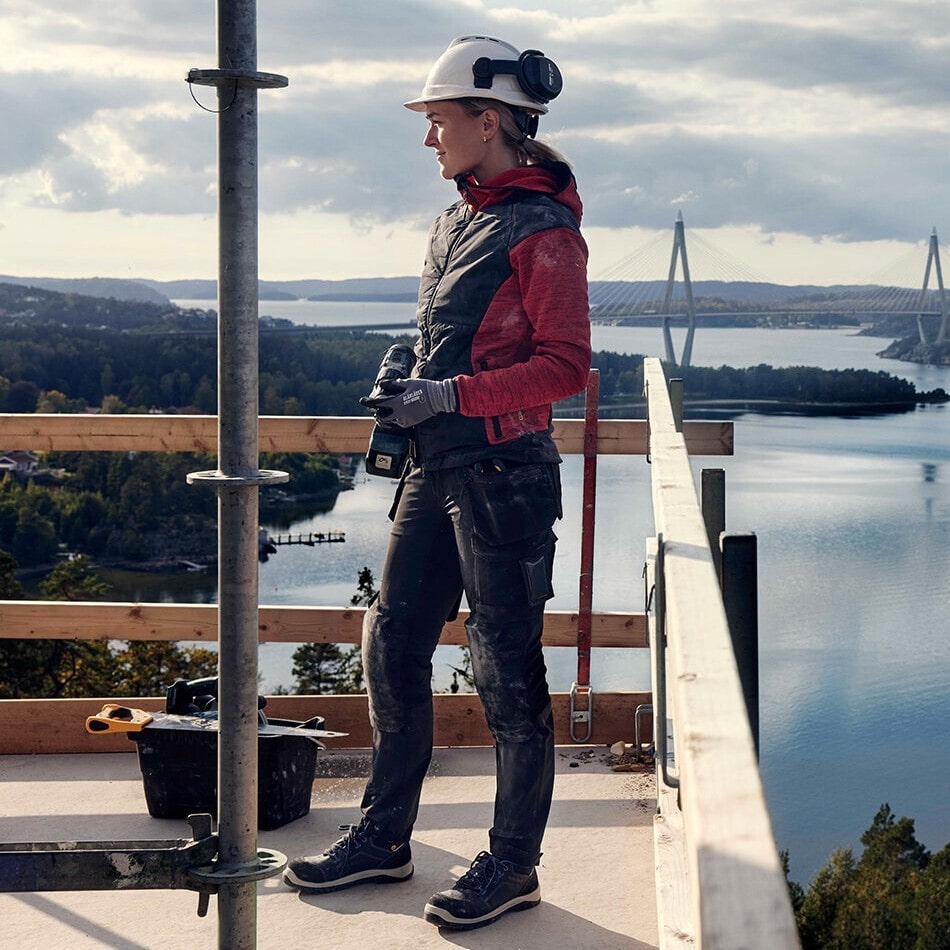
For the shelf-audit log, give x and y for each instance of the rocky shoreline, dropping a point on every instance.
(911, 350)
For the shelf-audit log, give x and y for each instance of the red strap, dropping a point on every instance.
(584, 623)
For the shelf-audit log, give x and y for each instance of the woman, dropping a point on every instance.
(503, 333)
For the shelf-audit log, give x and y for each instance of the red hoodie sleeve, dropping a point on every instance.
(533, 345)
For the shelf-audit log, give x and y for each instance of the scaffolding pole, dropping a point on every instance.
(237, 480)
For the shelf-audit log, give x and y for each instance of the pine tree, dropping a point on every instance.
(325, 667)
(932, 904)
(69, 668)
(149, 667)
(878, 909)
(819, 908)
(896, 897)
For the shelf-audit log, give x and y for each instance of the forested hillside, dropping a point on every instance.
(62, 353)
(62, 369)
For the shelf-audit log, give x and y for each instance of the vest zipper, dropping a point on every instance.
(427, 339)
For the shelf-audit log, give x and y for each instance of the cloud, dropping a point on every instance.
(815, 120)
(841, 186)
(38, 107)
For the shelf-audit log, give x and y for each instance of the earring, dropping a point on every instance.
(484, 138)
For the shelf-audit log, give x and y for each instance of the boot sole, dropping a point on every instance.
(374, 876)
(448, 921)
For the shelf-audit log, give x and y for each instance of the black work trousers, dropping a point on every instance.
(485, 529)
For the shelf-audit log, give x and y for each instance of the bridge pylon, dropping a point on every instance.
(933, 260)
(679, 250)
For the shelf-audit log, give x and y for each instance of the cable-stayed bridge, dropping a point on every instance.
(630, 291)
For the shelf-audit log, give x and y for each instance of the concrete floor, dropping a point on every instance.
(597, 872)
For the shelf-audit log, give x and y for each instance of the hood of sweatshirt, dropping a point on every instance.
(555, 180)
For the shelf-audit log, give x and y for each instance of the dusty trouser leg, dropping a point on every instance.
(420, 585)
(525, 773)
(508, 579)
(510, 677)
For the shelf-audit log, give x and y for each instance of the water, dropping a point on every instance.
(713, 346)
(853, 524)
(342, 314)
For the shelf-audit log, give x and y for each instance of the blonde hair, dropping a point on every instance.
(529, 151)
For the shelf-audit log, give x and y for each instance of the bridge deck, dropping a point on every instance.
(597, 873)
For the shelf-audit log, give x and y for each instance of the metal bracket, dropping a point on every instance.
(268, 864)
(221, 480)
(646, 396)
(582, 715)
(130, 865)
(241, 77)
(659, 698)
(638, 714)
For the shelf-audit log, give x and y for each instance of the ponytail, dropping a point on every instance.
(529, 151)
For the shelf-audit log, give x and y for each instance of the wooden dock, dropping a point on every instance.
(310, 539)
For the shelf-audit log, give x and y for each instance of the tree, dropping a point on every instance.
(73, 580)
(819, 907)
(149, 667)
(55, 401)
(896, 897)
(463, 673)
(878, 907)
(932, 904)
(34, 541)
(23, 396)
(113, 405)
(59, 668)
(10, 587)
(17, 657)
(796, 893)
(366, 591)
(325, 667)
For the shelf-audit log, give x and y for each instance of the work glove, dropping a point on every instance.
(407, 402)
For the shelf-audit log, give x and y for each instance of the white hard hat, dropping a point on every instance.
(487, 68)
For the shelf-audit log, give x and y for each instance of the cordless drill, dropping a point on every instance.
(389, 445)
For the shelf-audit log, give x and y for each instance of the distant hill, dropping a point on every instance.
(26, 305)
(407, 288)
(115, 288)
(740, 292)
(713, 295)
(354, 288)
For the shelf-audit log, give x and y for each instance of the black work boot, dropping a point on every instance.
(489, 888)
(361, 856)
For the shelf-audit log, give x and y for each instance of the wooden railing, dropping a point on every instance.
(713, 823)
(44, 432)
(56, 725)
(719, 879)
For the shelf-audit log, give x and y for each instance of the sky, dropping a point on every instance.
(804, 141)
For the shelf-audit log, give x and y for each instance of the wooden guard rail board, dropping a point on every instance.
(334, 434)
(92, 620)
(30, 726)
(738, 894)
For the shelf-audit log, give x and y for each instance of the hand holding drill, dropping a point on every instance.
(407, 402)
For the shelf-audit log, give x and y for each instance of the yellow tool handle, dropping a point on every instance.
(115, 718)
